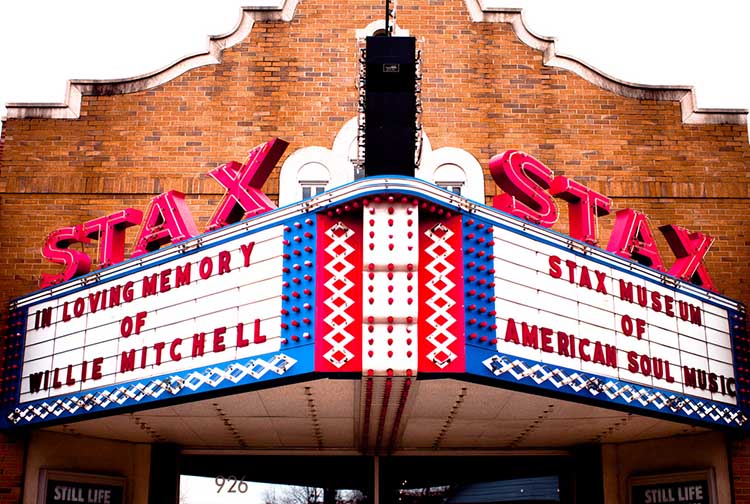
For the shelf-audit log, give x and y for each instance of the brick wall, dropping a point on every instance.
(483, 91)
(11, 468)
(12, 448)
(740, 451)
(2, 143)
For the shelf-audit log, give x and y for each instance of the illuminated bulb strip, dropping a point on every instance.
(144, 426)
(535, 424)
(312, 410)
(13, 341)
(399, 413)
(230, 428)
(451, 417)
(365, 443)
(390, 306)
(388, 387)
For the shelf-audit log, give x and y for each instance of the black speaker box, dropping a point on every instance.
(390, 106)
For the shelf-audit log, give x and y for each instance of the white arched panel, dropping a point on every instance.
(311, 166)
(449, 166)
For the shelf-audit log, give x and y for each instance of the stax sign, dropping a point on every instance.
(168, 219)
(530, 187)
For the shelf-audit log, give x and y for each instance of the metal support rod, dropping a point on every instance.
(387, 18)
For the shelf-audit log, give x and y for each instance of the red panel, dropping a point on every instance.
(441, 319)
(338, 294)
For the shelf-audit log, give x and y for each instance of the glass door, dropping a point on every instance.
(474, 480)
(235, 479)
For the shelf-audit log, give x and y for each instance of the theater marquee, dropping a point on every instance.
(383, 277)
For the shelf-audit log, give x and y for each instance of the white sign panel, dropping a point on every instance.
(218, 304)
(562, 309)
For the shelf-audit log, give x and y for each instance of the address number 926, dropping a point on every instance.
(230, 484)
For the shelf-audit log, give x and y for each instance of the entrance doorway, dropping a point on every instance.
(280, 479)
(423, 479)
(475, 480)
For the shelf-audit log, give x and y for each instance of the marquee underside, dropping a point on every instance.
(444, 415)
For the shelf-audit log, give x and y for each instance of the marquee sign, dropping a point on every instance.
(203, 318)
(567, 320)
(386, 276)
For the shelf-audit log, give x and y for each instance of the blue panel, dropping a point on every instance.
(12, 348)
(741, 357)
(298, 286)
(530, 375)
(479, 282)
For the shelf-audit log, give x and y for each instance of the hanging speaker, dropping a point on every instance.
(390, 106)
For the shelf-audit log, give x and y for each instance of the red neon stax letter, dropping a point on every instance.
(690, 249)
(243, 183)
(110, 231)
(584, 206)
(524, 179)
(168, 220)
(632, 238)
(56, 249)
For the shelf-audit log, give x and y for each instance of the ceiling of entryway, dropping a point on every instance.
(403, 416)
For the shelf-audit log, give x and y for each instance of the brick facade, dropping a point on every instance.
(740, 452)
(484, 91)
(11, 468)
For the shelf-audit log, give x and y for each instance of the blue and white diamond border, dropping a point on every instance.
(194, 382)
(592, 387)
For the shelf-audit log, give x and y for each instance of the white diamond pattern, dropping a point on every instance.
(213, 376)
(337, 300)
(441, 320)
(613, 389)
